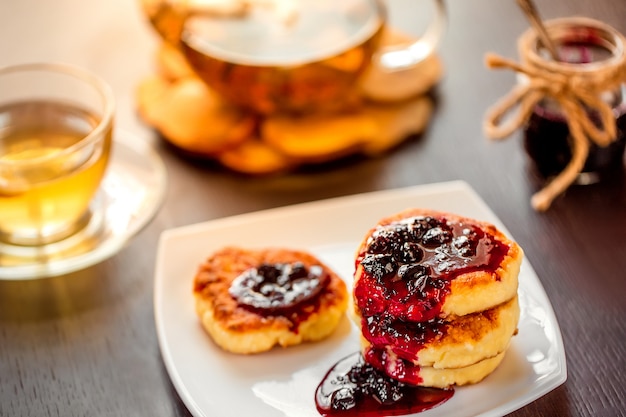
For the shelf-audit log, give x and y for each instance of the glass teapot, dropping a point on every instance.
(296, 56)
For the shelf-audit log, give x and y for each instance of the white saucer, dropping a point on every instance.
(131, 193)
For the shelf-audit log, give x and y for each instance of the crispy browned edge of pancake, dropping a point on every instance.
(470, 332)
(215, 275)
(463, 283)
(474, 326)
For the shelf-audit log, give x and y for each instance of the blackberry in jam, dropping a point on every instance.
(436, 237)
(278, 287)
(408, 252)
(379, 265)
(353, 387)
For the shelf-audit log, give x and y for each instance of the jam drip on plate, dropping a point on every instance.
(355, 388)
(394, 366)
(280, 289)
(406, 269)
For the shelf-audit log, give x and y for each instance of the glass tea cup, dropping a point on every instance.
(288, 56)
(55, 140)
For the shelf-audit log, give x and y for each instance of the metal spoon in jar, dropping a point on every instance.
(529, 9)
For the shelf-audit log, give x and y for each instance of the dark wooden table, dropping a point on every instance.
(85, 344)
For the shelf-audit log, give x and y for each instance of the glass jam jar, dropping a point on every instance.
(587, 48)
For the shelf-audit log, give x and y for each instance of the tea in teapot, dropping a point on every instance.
(283, 55)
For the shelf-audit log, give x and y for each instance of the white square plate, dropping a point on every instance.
(282, 382)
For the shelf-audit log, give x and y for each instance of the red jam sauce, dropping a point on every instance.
(408, 266)
(397, 368)
(353, 388)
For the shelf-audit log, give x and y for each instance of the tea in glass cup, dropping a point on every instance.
(277, 55)
(55, 140)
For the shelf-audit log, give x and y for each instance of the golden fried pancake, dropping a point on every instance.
(195, 119)
(435, 295)
(396, 122)
(241, 321)
(475, 262)
(254, 157)
(444, 378)
(471, 374)
(318, 137)
(191, 116)
(368, 128)
(463, 341)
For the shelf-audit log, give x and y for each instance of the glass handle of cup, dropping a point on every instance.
(398, 58)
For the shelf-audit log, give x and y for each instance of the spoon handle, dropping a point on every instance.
(528, 7)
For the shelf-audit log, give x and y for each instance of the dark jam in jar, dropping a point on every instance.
(547, 135)
(354, 388)
(547, 143)
(407, 269)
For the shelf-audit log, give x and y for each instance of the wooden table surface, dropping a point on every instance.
(85, 344)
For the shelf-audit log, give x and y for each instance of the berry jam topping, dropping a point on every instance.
(278, 287)
(355, 388)
(405, 339)
(395, 367)
(408, 265)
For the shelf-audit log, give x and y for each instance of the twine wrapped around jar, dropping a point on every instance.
(576, 87)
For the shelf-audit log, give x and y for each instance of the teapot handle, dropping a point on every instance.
(400, 71)
(398, 58)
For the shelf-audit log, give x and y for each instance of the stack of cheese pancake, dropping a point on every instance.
(250, 300)
(435, 295)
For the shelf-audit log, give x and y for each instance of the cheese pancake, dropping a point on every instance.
(249, 324)
(460, 342)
